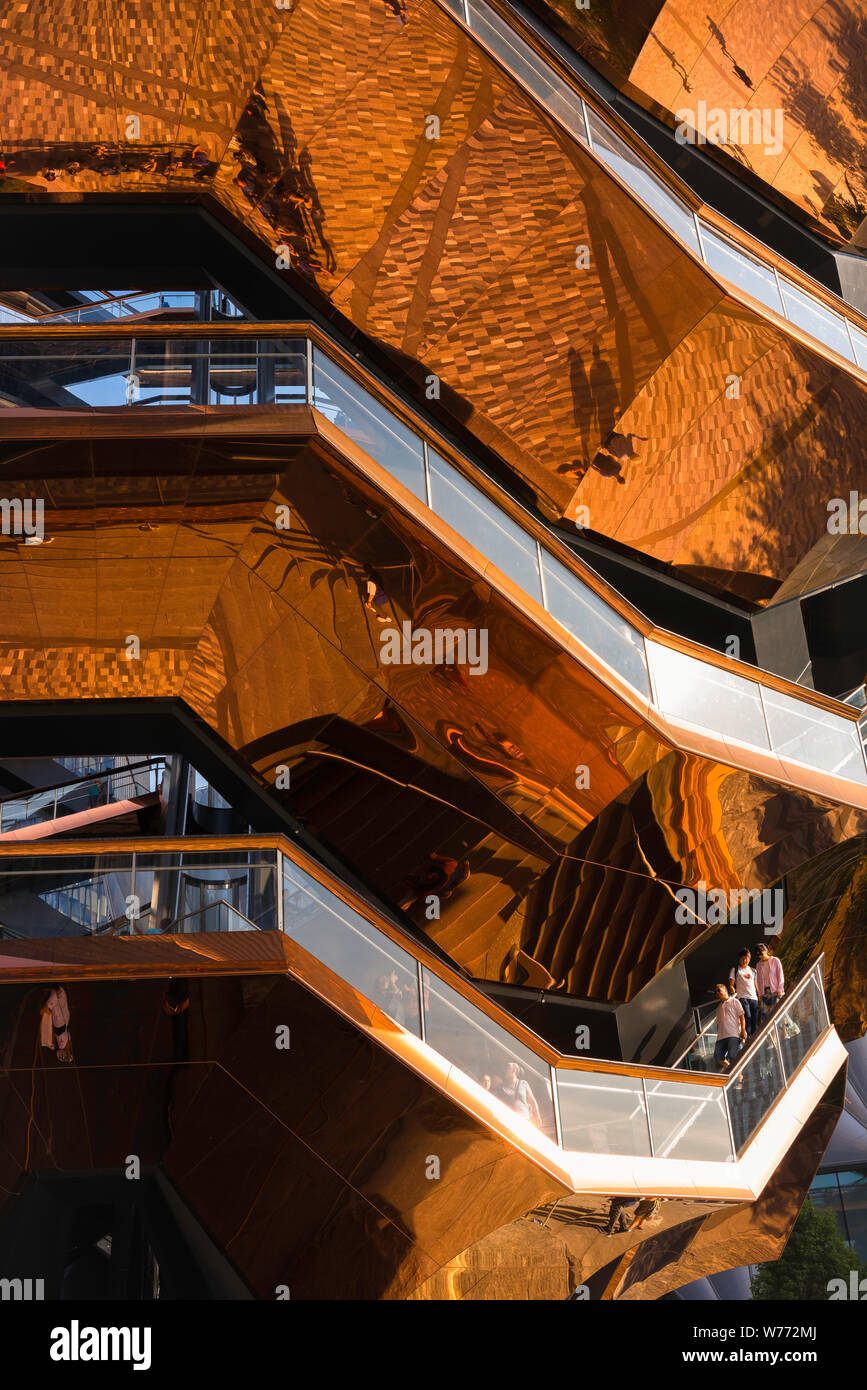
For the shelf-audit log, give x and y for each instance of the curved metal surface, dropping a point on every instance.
(642, 341)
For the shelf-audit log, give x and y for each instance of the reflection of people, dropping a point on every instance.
(391, 997)
(517, 1093)
(647, 1207)
(731, 1029)
(618, 1218)
(54, 1029)
(377, 599)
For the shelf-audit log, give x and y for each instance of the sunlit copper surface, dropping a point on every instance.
(826, 912)
(291, 1158)
(807, 63)
(459, 254)
(225, 605)
(549, 1252)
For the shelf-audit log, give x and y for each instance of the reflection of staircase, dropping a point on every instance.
(387, 830)
(606, 882)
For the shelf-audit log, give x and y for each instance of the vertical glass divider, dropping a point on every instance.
(776, 1037)
(701, 250)
(421, 1027)
(647, 1116)
(654, 694)
(555, 1099)
(542, 584)
(280, 890)
(427, 486)
(729, 1121)
(586, 123)
(851, 339)
(765, 715)
(783, 309)
(309, 342)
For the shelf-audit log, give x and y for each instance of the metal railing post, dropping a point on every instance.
(280, 927)
(729, 1123)
(646, 1099)
(421, 1023)
(309, 384)
(555, 1100)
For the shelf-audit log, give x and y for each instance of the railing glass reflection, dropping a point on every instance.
(592, 1107)
(276, 371)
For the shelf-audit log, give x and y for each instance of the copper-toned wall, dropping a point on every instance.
(264, 633)
(308, 1165)
(459, 254)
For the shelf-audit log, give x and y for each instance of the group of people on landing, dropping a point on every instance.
(749, 993)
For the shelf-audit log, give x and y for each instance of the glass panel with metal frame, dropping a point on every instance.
(350, 946)
(699, 1056)
(754, 1087)
(595, 623)
(56, 373)
(742, 270)
(800, 1022)
(688, 1121)
(519, 58)
(819, 738)
(484, 525)
(816, 318)
(507, 1070)
(859, 340)
(602, 1113)
(358, 414)
(720, 701)
(636, 175)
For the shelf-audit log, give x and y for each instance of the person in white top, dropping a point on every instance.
(742, 983)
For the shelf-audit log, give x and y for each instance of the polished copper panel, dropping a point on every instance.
(805, 61)
(258, 1140)
(225, 605)
(482, 224)
(825, 912)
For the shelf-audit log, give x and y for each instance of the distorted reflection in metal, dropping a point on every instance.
(656, 340)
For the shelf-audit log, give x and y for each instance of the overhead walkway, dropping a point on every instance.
(595, 1126)
(79, 802)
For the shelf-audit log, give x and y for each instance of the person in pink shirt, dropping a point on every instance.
(770, 981)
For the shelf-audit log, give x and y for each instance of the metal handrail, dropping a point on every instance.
(85, 777)
(170, 928)
(708, 1098)
(534, 528)
(53, 791)
(396, 933)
